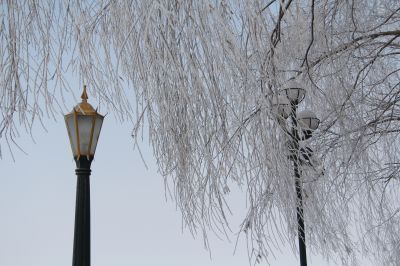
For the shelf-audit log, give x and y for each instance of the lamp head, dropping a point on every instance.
(293, 92)
(281, 106)
(83, 126)
(308, 122)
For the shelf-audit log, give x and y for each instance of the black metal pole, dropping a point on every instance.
(81, 253)
(300, 217)
(299, 205)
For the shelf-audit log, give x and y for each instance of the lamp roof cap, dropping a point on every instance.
(84, 107)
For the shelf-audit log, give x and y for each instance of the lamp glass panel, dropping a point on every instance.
(96, 133)
(70, 123)
(284, 107)
(304, 122)
(314, 123)
(309, 123)
(85, 128)
(284, 110)
(308, 120)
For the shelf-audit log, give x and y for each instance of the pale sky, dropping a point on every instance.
(131, 221)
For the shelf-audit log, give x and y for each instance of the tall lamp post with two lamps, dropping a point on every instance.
(83, 126)
(299, 127)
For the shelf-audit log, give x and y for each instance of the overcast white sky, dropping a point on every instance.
(132, 224)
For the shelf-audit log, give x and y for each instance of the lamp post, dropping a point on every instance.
(83, 126)
(299, 127)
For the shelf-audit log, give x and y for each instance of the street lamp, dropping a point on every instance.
(300, 127)
(83, 126)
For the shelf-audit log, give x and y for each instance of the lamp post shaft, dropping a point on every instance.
(300, 217)
(81, 253)
(299, 206)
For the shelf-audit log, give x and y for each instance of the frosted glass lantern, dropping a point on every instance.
(293, 91)
(83, 126)
(308, 120)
